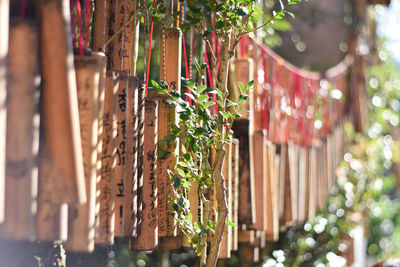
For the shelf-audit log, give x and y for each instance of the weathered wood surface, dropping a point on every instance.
(22, 133)
(312, 183)
(106, 186)
(82, 217)
(293, 157)
(235, 193)
(61, 164)
(147, 231)
(99, 25)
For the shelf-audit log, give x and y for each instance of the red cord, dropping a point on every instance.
(149, 54)
(78, 16)
(22, 9)
(87, 22)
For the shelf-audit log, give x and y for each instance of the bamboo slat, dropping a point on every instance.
(269, 201)
(312, 183)
(304, 185)
(293, 157)
(120, 154)
(123, 42)
(61, 163)
(131, 182)
(99, 25)
(22, 136)
(147, 231)
(246, 183)
(285, 197)
(106, 186)
(4, 26)
(274, 160)
(82, 219)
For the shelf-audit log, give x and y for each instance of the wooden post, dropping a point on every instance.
(106, 186)
(101, 58)
(61, 163)
(130, 205)
(147, 231)
(120, 154)
(274, 159)
(22, 143)
(4, 26)
(226, 244)
(246, 193)
(304, 185)
(312, 182)
(277, 199)
(235, 192)
(81, 223)
(269, 201)
(285, 197)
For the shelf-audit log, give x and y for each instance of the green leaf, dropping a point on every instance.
(176, 181)
(202, 98)
(208, 104)
(181, 172)
(210, 225)
(200, 89)
(249, 85)
(242, 89)
(229, 223)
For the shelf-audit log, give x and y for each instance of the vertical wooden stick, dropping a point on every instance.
(63, 165)
(130, 204)
(81, 224)
(123, 42)
(22, 132)
(107, 190)
(268, 209)
(276, 175)
(312, 181)
(120, 155)
(99, 25)
(147, 232)
(4, 25)
(304, 186)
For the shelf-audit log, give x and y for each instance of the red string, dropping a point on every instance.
(22, 9)
(149, 54)
(87, 22)
(211, 82)
(78, 16)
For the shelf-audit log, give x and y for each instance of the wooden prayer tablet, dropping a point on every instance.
(259, 152)
(120, 153)
(131, 178)
(111, 29)
(274, 159)
(99, 25)
(235, 192)
(82, 217)
(170, 57)
(167, 117)
(248, 254)
(4, 26)
(244, 73)
(101, 58)
(123, 42)
(63, 165)
(293, 157)
(285, 197)
(269, 201)
(226, 244)
(106, 186)
(330, 163)
(22, 132)
(246, 183)
(246, 236)
(147, 230)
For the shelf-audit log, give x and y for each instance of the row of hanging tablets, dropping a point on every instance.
(81, 154)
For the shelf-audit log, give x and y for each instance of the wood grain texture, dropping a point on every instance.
(61, 163)
(22, 143)
(106, 186)
(82, 217)
(147, 231)
(99, 25)
(235, 193)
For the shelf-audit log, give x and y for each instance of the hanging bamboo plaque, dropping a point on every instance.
(285, 204)
(269, 201)
(235, 192)
(106, 185)
(276, 196)
(81, 220)
(63, 165)
(99, 25)
(147, 231)
(293, 157)
(167, 117)
(130, 205)
(259, 152)
(120, 154)
(312, 181)
(304, 185)
(123, 42)
(246, 192)
(22, 132)
(4, 25)
(101, 58)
